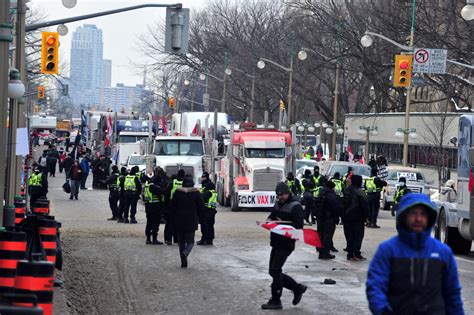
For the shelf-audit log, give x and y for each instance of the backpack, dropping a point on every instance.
(67, 187)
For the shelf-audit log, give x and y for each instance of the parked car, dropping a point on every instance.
(136, 160)
(329, 168)
(416, 182)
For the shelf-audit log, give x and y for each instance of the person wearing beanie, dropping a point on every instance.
(355, 213)
(186, 211)
(329, 211)
(205, 180)
(209, 196)
(287, 209)
(113, 193)
(132, 189)
(120, 182)
(414, 273)
(402, 190)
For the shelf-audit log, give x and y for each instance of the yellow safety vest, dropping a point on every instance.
(338, 187)
(212, 202)
(316, 179)
(176, 184)
(149, 196)
(36, 180)
(401, 191)
(370, 186)
(316, 191)
(129, 184)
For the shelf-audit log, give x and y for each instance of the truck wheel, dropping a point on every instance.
(452, 237)
(234, 205)
(220, 194)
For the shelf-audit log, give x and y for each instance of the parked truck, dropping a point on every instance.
(455, 222)
(129, 137)
(256, 160)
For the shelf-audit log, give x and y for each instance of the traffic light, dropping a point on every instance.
(36, 108)
(40, 92)
(171, 102)
(49, 53)
(403, 70)
(176, 31)
(282, 105)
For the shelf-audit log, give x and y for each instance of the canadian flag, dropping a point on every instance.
(351, 154)
(308, 236)
(362, 160)
(108, 135)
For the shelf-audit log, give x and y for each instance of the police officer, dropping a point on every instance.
(316, 176)
(114, 193)
(373, 187)
(120, 183)
(402, 190)
(307, 175)
(177, 182)
(209, 196)
(38, 186)
(338, 185)
(288, 209)
(153, 193)
(132, 189)
(308, 200)
(204, 181)
(293, 183)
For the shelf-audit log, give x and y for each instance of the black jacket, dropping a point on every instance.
(159, 186)
(79, 173)
(291, 211)
(331, 206)
(186, 209)
(112, 182)
(356, 206)
(40, 191)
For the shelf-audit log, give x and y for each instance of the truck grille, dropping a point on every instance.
(173, 170)
(266, 180)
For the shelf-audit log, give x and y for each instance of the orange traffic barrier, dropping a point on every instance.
(12, 249)
(36, 277)
(47, 230)
(20, 209)
(41, 206)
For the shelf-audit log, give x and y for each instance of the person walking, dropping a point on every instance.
(153, 192)
(177, 182)
(373, 187)
(401, 191)
(186, 210)
(52, 160)
(37, 186)
(316, 176)
(67, 164)
(209, 196)
(328, 215)
(414, 273)
(356, 211)
(287, 209)
(85, 164)
(132, 188)
(120, 183)
(308, 201)
(75, 175)
(293, 183)
(338, 184)
(43, 162)
(113, 193)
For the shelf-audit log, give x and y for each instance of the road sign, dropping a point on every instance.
(427, 60)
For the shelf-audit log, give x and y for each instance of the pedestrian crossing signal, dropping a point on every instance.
(49, 52)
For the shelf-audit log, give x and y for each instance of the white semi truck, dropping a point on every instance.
(455, 223)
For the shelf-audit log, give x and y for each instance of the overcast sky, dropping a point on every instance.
(119, 31)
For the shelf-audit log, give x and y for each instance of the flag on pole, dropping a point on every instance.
(163, 121)
(362, 160)
(108, 133)
(308, 236)
(351, 155)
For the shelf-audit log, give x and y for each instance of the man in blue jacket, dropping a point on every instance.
(413, 273)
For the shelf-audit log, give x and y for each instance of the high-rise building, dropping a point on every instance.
(122, 97)
(86, 64)
(106, 73)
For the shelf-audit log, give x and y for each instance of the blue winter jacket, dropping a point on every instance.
(413, 273)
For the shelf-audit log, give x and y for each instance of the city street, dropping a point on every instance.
(108, 269)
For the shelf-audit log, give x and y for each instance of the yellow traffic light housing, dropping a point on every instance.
(49, 52)
(403, 70)
(171, 102)
(40, 92)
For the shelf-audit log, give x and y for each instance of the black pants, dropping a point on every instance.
(153, 218)
(121, 206)
(326, 229)
(170, 232)
(308, 216)
(207, 226)
(113, 202)
(130, 206)
(84, 180)
(33, 199)
(354, 233)
(280, 280)
(52, 167)
(186, 242)
(374, 205)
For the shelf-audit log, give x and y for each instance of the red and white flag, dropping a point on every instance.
(163, 121)
(308, 236)
(362, 160)
(351, 154)
(109, 131)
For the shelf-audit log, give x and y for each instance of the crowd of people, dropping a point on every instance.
(175, 201)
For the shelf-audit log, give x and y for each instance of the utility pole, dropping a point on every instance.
(334, 120)
(252, 102)
(5, 39)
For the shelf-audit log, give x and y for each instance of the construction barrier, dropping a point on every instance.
(20, 210)
(48, 230)
(12, 249)
(41, 207)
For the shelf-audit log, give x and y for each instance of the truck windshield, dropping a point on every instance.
(136, 160)
(130, 138)
(265, 153)
(179, 147)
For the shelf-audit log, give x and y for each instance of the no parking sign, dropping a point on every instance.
(426, 60)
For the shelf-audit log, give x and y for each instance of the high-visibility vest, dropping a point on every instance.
(129, 184)
(290, 184)
(370, 186)
(316, 179)
(338, 187)
(401, 191)
(149, 196)
(316, 191)
(114, 185)
(176, 184)
(36, 180)
(212, 202)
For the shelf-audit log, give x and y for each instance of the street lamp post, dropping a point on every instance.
(205, 76)
(367, 131)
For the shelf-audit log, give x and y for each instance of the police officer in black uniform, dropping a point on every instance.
(293, 183)
(121, 204)
(287, 209)
(175, 183)
(154, 191)
(209, 196)
(37, 186)
(113, 193)
(132, 189)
